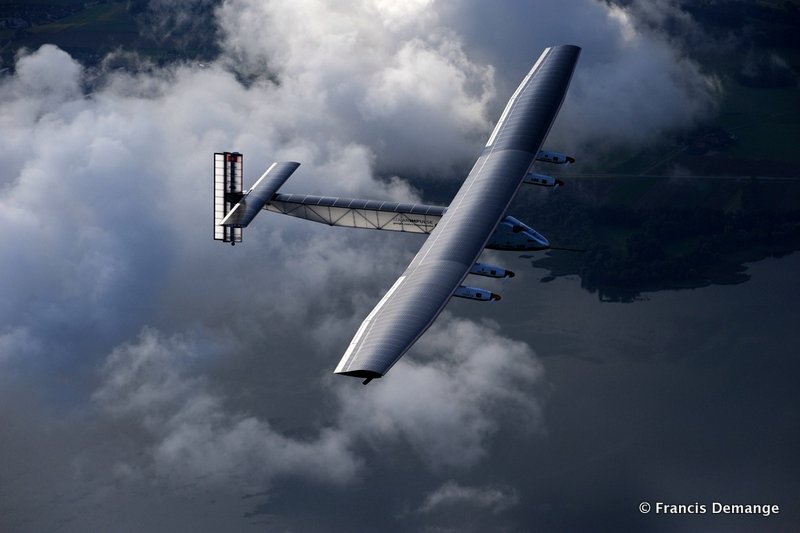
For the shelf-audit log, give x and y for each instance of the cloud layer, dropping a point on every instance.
(471, 374)
(216, 360)
(149, 383)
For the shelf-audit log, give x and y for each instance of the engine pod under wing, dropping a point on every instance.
(438, 269)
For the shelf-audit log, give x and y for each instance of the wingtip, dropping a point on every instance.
(367, 375)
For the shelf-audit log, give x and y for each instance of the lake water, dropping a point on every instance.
(684, 396)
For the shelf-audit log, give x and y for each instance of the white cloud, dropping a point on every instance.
(150, 382)
(446, 399)
(644, 88)
(459, 390)
(406, 90)
(633, 84)
(48, 76)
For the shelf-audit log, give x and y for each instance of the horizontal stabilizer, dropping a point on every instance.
(259, 194)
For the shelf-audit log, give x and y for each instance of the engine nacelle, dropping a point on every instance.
(541, 180)
(474, 293)
(554, 157)
(511, 234)
(490, 271)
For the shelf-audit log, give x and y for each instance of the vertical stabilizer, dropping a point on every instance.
(228, 190)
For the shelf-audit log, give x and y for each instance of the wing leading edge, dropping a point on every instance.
(419, 295)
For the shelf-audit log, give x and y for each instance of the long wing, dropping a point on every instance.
(415, 300)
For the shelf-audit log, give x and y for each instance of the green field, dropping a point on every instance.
(765, 121)
(100, 26)
(95, 30)
(43, 2)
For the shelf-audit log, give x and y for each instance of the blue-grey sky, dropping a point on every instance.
(152, 379)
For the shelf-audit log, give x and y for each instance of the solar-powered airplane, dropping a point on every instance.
(474, 220)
